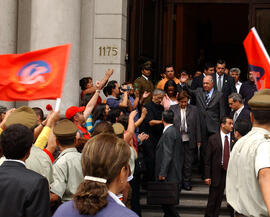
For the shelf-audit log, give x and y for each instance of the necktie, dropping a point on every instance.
(226, 153)
(219, 87)
(183, 121)
(207, 98)
(235, 116)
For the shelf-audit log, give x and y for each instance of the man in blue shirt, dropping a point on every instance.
(113, 100)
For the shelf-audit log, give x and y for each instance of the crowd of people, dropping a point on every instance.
(94, 161)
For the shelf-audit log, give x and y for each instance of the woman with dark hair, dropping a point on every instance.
(88, 89)
(100, 114)
(171, 92)
(105, 168)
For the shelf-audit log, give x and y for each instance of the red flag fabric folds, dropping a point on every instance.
(258, 59)
(34, 75)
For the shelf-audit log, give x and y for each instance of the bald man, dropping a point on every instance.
(210, 104)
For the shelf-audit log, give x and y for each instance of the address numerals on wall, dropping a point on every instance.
(108, 51)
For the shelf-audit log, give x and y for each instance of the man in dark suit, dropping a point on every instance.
(223, 83)
(209, 69)
(186, 120)
(216, 163)
(239, 111)
(210, 104)
(24, 192)
(169, 157)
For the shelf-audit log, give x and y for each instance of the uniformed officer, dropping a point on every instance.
(67, 169)
(143, 83)
(248, 174)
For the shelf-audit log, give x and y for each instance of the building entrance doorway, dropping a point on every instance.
(207, 32)
(189, 32)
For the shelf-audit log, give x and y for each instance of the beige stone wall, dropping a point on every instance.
(8, 32)
(91, 26)
(110, 38)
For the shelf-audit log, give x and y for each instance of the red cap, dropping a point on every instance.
(71, 111)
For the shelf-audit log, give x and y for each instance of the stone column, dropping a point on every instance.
(87, 37)
(50, 23)
(8, 30)
(110, 38)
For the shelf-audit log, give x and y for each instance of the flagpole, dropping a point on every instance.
(57, 104)
(253, 29)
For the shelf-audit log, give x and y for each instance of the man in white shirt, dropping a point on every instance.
(235, 73)
(248, 176)
(216, 163)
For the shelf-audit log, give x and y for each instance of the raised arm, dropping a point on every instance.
(92, 102)
(124, 102)
(103, 82)
(140, 120)
(131, 126)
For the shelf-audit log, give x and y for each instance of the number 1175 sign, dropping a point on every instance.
(108, 51)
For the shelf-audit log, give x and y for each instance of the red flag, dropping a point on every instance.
(34, 75)
(258, 59)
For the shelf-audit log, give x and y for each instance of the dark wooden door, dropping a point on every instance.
(165, 31)
(145, 22)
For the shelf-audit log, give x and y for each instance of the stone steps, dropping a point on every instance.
(192, 203)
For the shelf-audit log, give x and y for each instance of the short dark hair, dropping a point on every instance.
(221, 62)
(224, 119)
(168, 116)
(111, 86)
(183, 71)
(183, 94)
(242, 126)
(113, 114)
(84, 81)
(39, 112)
(169, 66)
(65, 142)
(261, 117)
(105, 91)
(208, 65)
(16, 141)
(170, 83)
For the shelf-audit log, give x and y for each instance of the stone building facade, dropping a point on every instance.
(95, 28)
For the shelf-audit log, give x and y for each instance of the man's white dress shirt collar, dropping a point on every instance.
(165, 128)
(19, 161)
(146, 78)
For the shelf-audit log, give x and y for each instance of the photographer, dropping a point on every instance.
(114, 100)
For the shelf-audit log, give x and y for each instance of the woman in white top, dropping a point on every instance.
(170, 97)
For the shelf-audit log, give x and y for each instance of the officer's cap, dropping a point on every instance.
(260, 101)
(118, 129)
(65, 129)
(23, 115)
